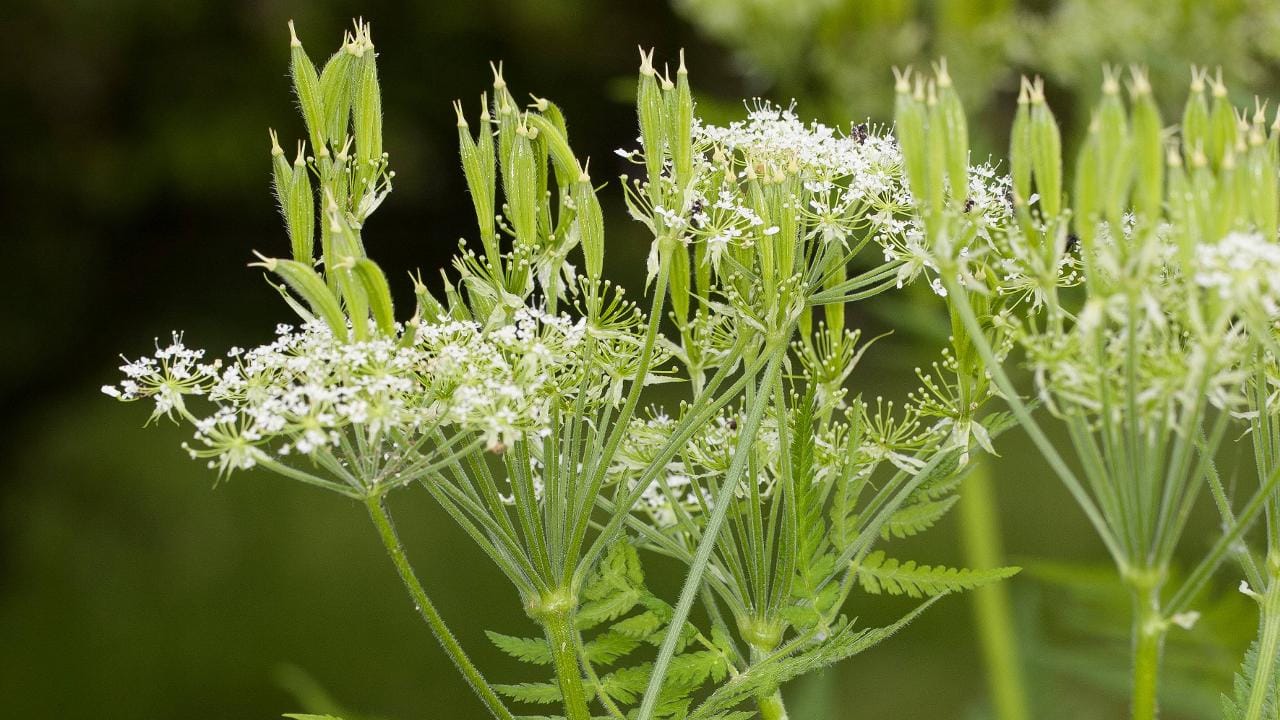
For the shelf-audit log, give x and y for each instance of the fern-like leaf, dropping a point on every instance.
(772, 672)
(916, 518)
(1236, 705)
(530, 692)
(878, 574)
(534, 651)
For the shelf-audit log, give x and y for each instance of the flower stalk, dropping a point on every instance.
(427, 609)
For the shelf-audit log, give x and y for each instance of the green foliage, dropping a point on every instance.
(618, 616)
(879, 574)
(1235, 704)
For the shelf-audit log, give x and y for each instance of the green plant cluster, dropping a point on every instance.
(521, 397)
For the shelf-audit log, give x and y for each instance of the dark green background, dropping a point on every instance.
(135, 188)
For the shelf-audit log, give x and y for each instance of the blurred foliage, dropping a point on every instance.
(835, 56)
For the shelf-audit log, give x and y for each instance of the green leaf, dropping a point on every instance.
(606, 648)
(878, 574)
(768, 674)
(1235, 706)
(543, 692)
(916, 518)
(302, 716)
(530, 650)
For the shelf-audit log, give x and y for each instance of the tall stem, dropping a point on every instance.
(556, 617)
(1148, 641)
(706, 545)
(980, 534)
(1268, 648)
(387, 531)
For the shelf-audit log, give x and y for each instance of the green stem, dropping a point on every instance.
(556, 617)
(772, 708)
(980, 534)
(1268, 648)
(707, 543)
(1148, 640)
(387, 531)
(1023, 414)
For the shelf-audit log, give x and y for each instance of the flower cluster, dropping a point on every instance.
(307, 393)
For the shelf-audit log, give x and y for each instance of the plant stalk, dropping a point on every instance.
(1268, 648)
(980, 536)
(557, 622)
(1148, 641)
(772, 707)
(386, 530)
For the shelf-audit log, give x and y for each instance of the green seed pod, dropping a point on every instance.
(1020, 145)
(1115, 170)
(307, 283)
(680, 121)
(1148, 148)
(300, 211)
(478, 170)
(910, 118)
(1222, 124)
(347, 249)
(376, 288)
(590, 225)
(549, 122)
(280, 170)
(336, 91)
(937, 144)
(956, 129)
(649, 108)
(306, 83)
(1263, 183)
(1086, 192)
(1195, 116)
(366, 112)
(679, 284)
(521, 189)
(429, 309)
(1046, 153)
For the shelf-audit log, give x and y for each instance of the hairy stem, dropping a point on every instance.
(387, 531)
(1268, 648)
(1148, 641)
(772, 708)
(707, 544)
(557, 622)
(980, 535)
